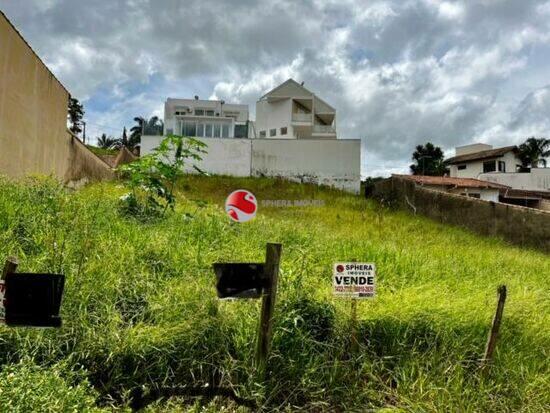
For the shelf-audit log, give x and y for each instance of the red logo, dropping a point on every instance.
(241, 205)
(340, 268)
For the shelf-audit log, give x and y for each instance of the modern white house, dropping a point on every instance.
(294, 137)
(498, 165)
(290, 111)
(205, 118)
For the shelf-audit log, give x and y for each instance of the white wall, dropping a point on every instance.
(224, 157)
(536, 180)
(334, 162)
(274, 115)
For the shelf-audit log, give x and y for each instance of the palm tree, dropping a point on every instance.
(106, 142)
(151, 126)
(533, 151)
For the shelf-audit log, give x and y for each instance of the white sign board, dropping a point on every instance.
(2, 307)
(354, 279)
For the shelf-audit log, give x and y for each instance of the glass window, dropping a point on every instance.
(283, 131)
(489, 166)
(262, 134)
(199, 112)
(208, 130)
(501, 166)
(241, 131)
(190, 129)
(461, 167)
(209, 113)
(272, 132)
(217, 130)
(200, 129)
(225, 130)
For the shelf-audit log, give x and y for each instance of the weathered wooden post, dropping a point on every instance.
(493, 333)
(272, 260)
(9, 267)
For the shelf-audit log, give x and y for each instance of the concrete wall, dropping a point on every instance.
(33, 118)
(274, 115)
(333, 162)
(536, 180)
(519, 225)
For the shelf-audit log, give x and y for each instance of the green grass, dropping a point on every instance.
(102, 151)
(140, 308)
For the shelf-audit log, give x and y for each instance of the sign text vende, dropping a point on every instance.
(354, 279)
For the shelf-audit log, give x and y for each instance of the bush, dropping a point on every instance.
(26, 387)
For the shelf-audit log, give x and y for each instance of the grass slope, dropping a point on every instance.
(140, 307)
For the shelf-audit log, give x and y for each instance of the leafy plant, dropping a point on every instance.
(534, 151)
(153, 177)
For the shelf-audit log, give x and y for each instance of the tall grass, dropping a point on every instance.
(140, 310)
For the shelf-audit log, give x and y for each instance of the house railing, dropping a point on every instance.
(324, 129)
(301, 117)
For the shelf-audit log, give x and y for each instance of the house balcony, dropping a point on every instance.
(324, 130)
(302, 118)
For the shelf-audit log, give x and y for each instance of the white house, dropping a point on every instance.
(294, 137)
(290, 111)
(498, 165)
(205, 118)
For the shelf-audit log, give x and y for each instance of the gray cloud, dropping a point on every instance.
(398, 72)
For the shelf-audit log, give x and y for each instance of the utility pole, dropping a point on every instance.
(83, 132)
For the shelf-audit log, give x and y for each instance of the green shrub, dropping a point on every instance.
(26, 387)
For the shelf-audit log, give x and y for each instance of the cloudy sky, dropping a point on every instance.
(399, 72)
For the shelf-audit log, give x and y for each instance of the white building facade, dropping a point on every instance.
(498, 165)
(205, 118)
(290, 111)
(294, 137)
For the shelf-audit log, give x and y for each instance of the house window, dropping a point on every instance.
(208, 130)
(501, 166)
(489, 166)
(272, 132)
(283, 131)
(225, 130)
(200, 130)
(217, 130)
(199, 112)
(461, 167)
(209, 113)
(262, 134)
(189, 129)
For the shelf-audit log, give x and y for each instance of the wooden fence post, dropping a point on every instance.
(10, 266)
(493, 333)
(272, 260)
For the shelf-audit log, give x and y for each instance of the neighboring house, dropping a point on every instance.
(294, 131)
(290, 111)
(498, 165)
(470, 187)
(484, 190)
(205, 118)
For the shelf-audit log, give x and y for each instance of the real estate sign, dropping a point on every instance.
(354, 279)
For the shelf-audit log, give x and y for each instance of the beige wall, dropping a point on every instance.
(519, 225)
(33, 117)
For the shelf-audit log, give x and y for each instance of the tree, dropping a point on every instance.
(123, 141)
(151, 126)
(533, 151)
(429, 160)
(106, 142)
(75, 115)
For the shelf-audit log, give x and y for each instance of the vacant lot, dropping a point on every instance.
(140, 309)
